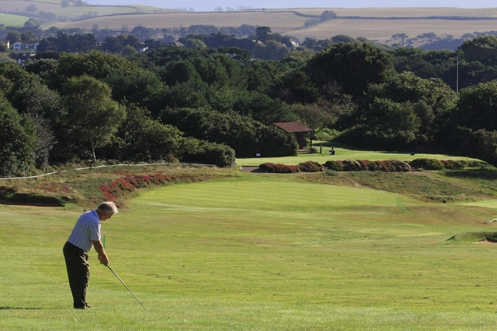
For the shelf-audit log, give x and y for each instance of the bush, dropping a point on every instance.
(327, 134)
(200, 151)
(278, 168)
(453, 164)
(400, 165)
(267, 167)
(310, 166)
(364, 165)
(384, 166)
(427, 164)
(334, 165)
(351, 165)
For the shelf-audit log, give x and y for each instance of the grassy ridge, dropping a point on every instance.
(257, 252)
(82, 187)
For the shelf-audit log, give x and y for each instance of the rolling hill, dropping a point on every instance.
(372, 23)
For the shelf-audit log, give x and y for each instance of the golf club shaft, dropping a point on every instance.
(124, 284)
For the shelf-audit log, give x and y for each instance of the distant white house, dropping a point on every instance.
(20, 46)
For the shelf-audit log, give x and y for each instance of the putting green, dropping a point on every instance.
(262, 252)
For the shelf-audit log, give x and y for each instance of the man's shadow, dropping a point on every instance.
(19, 308)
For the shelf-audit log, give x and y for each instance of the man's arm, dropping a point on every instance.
(102, 256)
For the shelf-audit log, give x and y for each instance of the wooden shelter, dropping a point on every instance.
(298, 129)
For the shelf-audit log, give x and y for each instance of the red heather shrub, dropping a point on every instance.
(286, 169)
(109, 196)
(267, 167)
(278, 168)
(124, 185)
(310, 166)
(132, 181)
(293, 169)
(365, 165)
(381, 165)
(159, 179)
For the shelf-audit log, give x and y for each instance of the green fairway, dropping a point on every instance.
(343, 154)
(12, 20)
(257, 252)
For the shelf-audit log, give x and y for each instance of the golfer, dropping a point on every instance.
(86, 233)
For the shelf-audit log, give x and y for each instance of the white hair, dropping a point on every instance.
(108, 207)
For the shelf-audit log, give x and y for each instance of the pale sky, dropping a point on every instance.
(202, 5)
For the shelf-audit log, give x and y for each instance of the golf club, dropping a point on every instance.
(124, 284)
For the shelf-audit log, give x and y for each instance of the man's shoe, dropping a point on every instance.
(80, 307)
(87, 305)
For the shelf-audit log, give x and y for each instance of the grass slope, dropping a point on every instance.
(257, 252)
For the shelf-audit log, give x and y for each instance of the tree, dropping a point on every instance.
(482, 49)
(295, 87)
(262, 33)
(145, 139)
(353, 65)
(387, 125)
(16, 149)
(32, 23)
(13, 37)
(313, 115)
(477, 106)
(44, 140)
(92, 116)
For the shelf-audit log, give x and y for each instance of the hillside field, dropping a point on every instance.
(291, 21)
(12, 20)
(259, 252)
(54, 6)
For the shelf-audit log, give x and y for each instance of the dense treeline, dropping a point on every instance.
(210, 105)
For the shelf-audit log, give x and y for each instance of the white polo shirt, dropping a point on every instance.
(86, 230)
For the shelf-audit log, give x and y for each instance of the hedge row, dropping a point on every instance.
(309, 166)
(353, 165)
(364, 165)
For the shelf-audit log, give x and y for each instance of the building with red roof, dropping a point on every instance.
(298, 129)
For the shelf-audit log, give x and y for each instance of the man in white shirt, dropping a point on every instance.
(86, 233)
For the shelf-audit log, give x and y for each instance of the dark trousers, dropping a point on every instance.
(78, 272)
